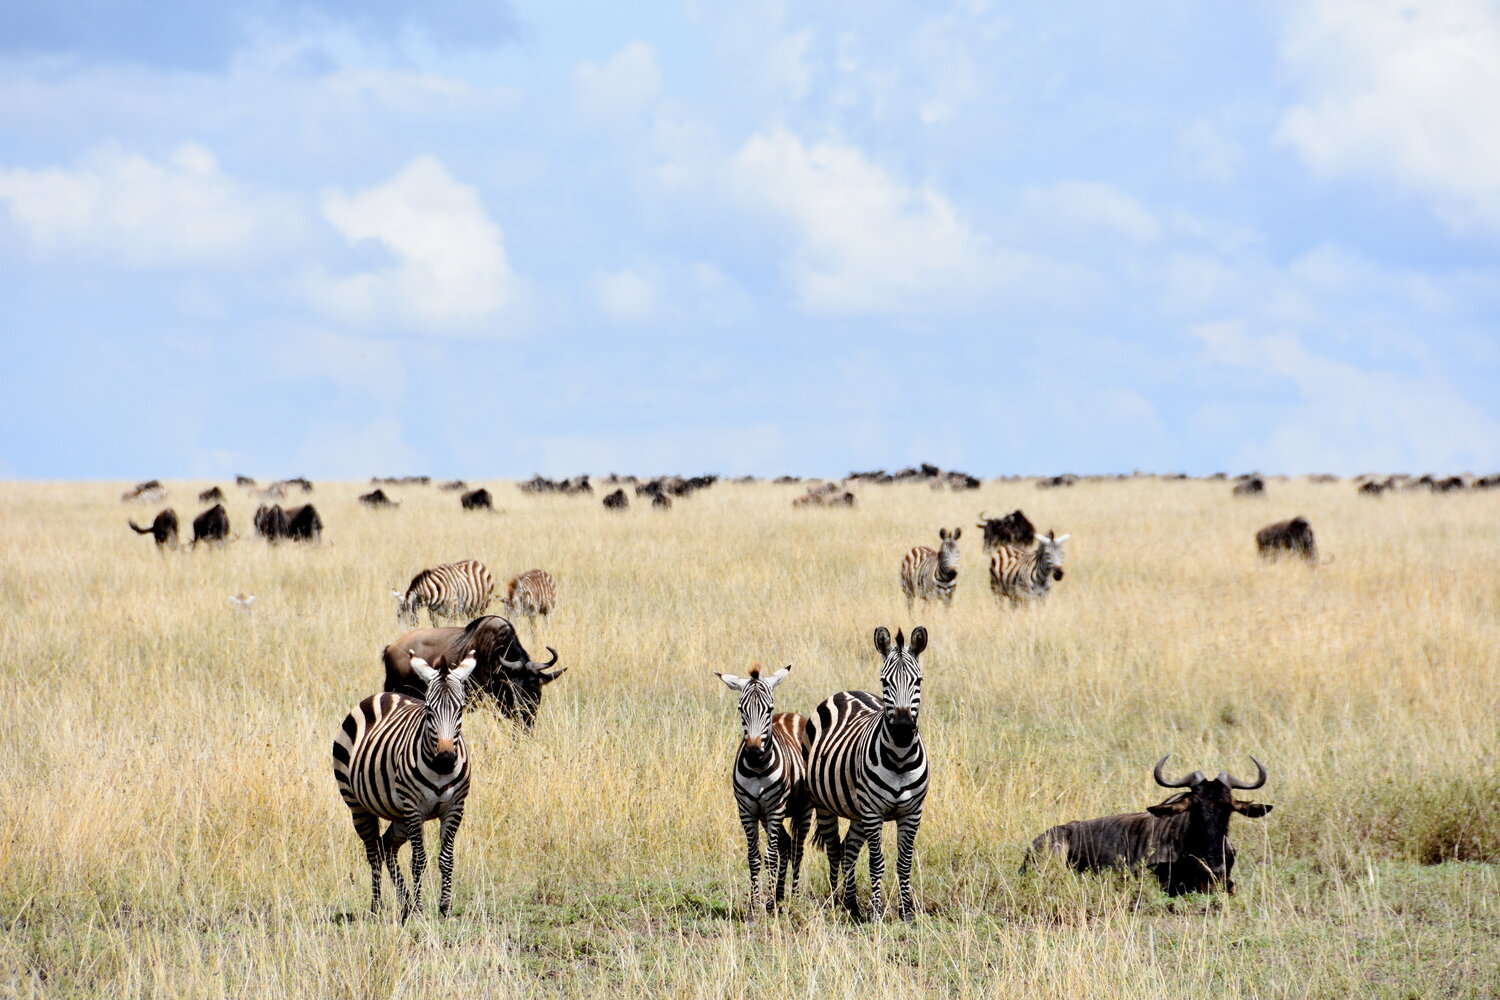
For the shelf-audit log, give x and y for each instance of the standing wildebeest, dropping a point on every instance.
(1184, 840)
(1252, 487)
(531, 593)
(1012, 529)
(476, 500)
(211, 494)
(303, 524)
(377, 498)
(212, 525)
(505, 670)
(931, 574)
(616, 501)
(271, 522)
(1294, 537)
(163, 528)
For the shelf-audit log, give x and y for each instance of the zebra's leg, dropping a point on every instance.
(877, 868)
(418, 861)
(828, 836)
(773, 857)
(367, 826)
(449, 832)
(395, 836)
(906, 842)
(751, 824)
(784, 854)
(852, 845)
(801, 821)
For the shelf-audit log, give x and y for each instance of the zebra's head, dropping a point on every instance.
(901, 680)
(442, 720)
(756, 703)
(948, 553)
(1050, 553)
(406, 611)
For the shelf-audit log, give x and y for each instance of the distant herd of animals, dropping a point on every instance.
(400, 758)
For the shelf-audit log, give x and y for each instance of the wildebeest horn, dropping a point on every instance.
(1161, 779)
(1228, 779)
(553, 662)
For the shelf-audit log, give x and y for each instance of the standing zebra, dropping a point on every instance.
(866, 763)
(402, 759)
(458, 590)
(770, 783)
(931, 575)
(1019, 573)
(531, 593)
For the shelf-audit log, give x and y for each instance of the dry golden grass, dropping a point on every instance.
(169, 825)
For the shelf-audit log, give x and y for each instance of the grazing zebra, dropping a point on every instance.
(866, 763)
(531, 593)
(931, 575)
(770, 782)
(453, 590)
(402, 759)
(1018, 573)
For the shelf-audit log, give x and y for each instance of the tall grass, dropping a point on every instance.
(169, 824)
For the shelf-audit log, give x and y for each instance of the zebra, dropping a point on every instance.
(402, 759)
(1018, 573)
(457, 590)
(866, 763)
(770, 783)
(531, 593)
(931, 575)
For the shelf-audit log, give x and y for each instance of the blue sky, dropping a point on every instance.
(492, 239)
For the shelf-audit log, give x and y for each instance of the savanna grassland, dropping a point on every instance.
(169, 825)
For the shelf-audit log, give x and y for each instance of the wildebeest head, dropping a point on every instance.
(948, 553)
(757, 704)
(442, 718)
(517, 685)
(1203, 858)
(901, 681)
(1050, 549)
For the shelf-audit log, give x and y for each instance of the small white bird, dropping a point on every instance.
(243, 600)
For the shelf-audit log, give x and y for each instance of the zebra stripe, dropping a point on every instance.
(770, 783)
(403, 760)
(460, 590)
(931, 574)
(531, 593)
(866, 764)
(1018, 573)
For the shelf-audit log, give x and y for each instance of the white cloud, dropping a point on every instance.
(1350, 419)
(181, 210)
(1403, 92)
(451, 270)
(1090, 207)
(866, 242)
(626, 296)
(621, 88)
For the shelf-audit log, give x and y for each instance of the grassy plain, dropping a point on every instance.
(169, 825)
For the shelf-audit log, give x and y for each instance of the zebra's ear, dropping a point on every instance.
(733, 682)
(918, 641)
(778, 677)
(883, 640)
(956, 533)
(943, 534)
(461, 672)
(422, 668)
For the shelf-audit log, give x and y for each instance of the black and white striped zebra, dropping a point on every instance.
(531, 593)
(401, 759)
(931, 574)
(866, 764)
(770, 783)
(458, 590)
(1020, 574)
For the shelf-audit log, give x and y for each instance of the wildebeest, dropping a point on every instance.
(1373, 488)
(660, 501)
(476, 500)
(303, 524)
(455, 486)
(299, 481)
(1251, 487)
(212, 525)
(1183, 840)
(150, 491)
(616, 500)
(504, 670)
(163, 528)
(377, 498)
(270, 522)
(1294, 537)
(211, 494)
(1012, 529)
(243, 481)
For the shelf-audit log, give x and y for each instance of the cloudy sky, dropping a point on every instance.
(493, 239)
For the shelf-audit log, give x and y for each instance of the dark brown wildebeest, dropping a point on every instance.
(270, 522)
(1294, 537)
(477, 500)
(504, 670)
(1250, 487)
(616, 501)
(661, 501)
(163, 528)
(210, 495)
(299, 481)
(1012, 529)
(377, 498)
(1373, 488)
(212, 525)
(1184, 840)
(303, 524)
(243, 481)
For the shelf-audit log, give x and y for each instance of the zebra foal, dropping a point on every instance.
(931, 574)
(1020, 574)
(399, 759)
(866, 764)
(770, 783)
(459, 590)
(531, 593)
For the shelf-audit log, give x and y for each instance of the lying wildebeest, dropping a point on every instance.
(1184, 840)
(616, 500)
(212, 525)
(163, 528)
(211, 494)
(1373, 488)
(270, 522)
(1012, 529)
(377, 498)
(476, 500)
(303, 524)
(1294, 537)
(504, 670)
(1254, 486)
